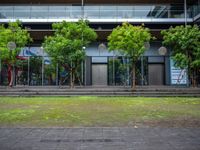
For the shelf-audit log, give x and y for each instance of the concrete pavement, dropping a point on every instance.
(108, 138)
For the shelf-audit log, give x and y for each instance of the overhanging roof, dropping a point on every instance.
(38, 35)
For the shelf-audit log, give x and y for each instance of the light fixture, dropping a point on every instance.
(11, 45)
(147, 45)
(102, 46)
(162, 50)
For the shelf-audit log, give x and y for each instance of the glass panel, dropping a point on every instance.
(91, 11)
(22, 12)
(35, 70)
(145, 71)
(39, 12)
(49, 72)
(94, 11)
(177, 11)
(125, 12)
(142, 11)
(78, 75)
(68, 11)
(108, 12)
(6, 12)
(118, 71)
(64, 75)
(76, 12)
(57, 12)
(21, 71)
(160, 12)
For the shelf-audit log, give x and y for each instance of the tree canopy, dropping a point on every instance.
(130, 41)
(13, 33)
(16, 35)
(185, 44)
(65, 47)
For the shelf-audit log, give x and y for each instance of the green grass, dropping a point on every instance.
(95, 111)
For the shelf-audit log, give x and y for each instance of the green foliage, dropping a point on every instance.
(66, 45)
(129, 40)
(14, 33)
(185, 44)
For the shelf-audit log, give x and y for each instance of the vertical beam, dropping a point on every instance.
(142, 70)
(185, 11)
(29, 70)
(43, 69)
(0, 71)
(82, 9)
(57, 74)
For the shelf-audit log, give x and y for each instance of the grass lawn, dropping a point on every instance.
(98, 111)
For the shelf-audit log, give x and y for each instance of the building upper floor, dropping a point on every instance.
(52, 11)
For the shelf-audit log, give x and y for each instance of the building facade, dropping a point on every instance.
(100, 67)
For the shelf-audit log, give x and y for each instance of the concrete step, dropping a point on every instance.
(99, 91)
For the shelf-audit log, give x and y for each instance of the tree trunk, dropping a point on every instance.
(72, 78)
(11, 69)
(133, 76)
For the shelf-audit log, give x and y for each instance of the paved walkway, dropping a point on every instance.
(99, 138)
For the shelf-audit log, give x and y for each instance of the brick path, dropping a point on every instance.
(100, 138)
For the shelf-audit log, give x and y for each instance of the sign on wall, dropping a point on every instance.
(178, 76)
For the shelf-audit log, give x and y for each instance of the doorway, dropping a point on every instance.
(99, 74)
(156, 74)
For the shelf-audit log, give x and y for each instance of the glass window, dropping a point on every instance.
(21, 71)
(35, 70)
(57, 12)
(176, 11)
(50, 75)
(142, 11)
(160, 12)
(108, 12)
(6, 12)
(76, 12)
(125, 11)
(39, 12)
(118, 71)
(91, 11)
(22, 12)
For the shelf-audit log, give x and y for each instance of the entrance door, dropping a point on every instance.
(99, 74)
(156, 74)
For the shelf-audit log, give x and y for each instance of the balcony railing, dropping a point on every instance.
(38, 12)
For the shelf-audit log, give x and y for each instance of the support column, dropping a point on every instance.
(185, 11)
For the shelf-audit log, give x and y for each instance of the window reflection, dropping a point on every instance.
(96, 11)
(108, 12)
(76, 12)
(57, 12)
(22, 12)
(125, 11)
(91, 12)
(6, 12)
(39, 12)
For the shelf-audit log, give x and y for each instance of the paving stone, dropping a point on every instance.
(99, 139)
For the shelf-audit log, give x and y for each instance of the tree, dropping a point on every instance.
(130, 41)
(65, 47)
(185, 44)
(16, 35)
